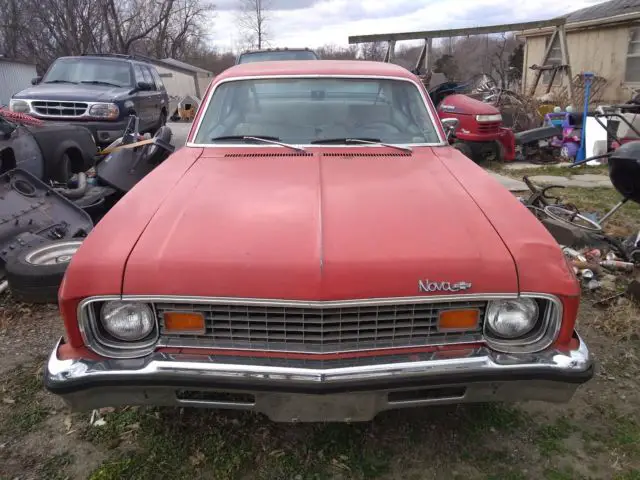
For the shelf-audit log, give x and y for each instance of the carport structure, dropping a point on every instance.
(425, 59)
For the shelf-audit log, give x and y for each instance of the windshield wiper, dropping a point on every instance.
(100, 82)
(363, 141)
(260, 138)
(60, 81)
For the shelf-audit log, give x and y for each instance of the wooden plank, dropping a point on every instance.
(547, 52)
(564, 49)
(391, 50)
(456, 32)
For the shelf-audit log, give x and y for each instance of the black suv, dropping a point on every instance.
(98, 92)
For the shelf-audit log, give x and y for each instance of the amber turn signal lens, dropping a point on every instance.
(458, 320)
(183, 322)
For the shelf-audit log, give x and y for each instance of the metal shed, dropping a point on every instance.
(14, 76)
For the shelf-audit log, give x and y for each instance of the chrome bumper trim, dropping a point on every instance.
(154, 380)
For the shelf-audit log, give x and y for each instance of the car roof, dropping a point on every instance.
(316, 67)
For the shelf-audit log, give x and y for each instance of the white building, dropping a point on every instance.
(14, 77)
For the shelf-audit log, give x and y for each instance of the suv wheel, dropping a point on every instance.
(161, 123)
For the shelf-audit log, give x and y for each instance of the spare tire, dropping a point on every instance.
(155, 154)
(35, 272)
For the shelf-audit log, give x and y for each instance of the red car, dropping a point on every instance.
(317, 252)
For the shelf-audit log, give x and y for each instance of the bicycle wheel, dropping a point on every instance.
(572, 218)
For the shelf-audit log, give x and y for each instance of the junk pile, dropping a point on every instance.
(43, 220)
(599, 259)
(601, 270)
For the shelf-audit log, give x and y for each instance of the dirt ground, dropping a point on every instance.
(595, 436)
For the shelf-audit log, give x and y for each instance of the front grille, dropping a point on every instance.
(322, 329)
(489, 127)
(59, 109)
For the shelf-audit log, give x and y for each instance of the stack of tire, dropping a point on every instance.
(34, 273)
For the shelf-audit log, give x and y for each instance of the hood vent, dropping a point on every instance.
(362, 154)
(256, 155)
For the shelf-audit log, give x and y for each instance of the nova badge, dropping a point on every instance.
(425, 286)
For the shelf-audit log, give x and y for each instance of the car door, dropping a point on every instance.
(162, 91)
(153, 98)
(142, 100)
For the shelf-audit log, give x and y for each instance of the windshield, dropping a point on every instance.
(89, 70)
(277, 56)
(307, 110)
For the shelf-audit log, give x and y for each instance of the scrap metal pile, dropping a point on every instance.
(49, 204)
(602, 261)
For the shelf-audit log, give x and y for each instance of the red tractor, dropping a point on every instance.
(480, 133)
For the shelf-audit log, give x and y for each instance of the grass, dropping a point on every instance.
(626, 436)
(599, 201)
(560, 171)
(549, 438)
(564, 474)
(54, 468)
(223, 446)
(20, 393)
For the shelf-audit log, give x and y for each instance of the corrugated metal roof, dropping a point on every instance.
(13, 60)
(186, 66)
(604, 10)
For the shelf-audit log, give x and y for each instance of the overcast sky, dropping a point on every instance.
(302, 23)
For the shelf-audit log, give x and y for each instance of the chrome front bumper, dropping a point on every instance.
(354, 390)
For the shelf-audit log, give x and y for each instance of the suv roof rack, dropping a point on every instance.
(117, 55)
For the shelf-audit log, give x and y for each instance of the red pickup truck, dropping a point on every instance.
(317, 252)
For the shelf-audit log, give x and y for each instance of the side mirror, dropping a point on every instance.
(143, 86)
(36, 80)
(450, 126)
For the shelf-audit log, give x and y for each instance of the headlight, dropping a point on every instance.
(110, 111)
(512, 318)
(489, 118)
(19, 106)
(129, 322)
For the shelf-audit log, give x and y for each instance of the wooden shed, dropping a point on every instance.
(603, 39)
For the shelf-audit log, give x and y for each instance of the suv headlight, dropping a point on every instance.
(109, 111)
(19, 106)
(489, 118)
(512, 318)
(127, 321)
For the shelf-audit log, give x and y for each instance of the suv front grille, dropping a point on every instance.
(59, 109)
(322, 329)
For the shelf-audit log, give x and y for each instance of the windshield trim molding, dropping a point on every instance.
(205, 106)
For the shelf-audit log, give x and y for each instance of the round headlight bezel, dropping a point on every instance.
(147, 317)
(502, 314)
(543, 334)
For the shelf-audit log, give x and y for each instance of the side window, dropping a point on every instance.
(138, 73)
(148, 77)
(632, 74)
(157, 79)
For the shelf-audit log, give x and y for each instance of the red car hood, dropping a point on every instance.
(317, 227)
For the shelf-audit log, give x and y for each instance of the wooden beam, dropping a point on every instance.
(456, 32)
(536, 80)
(564, 49)
(391, 50)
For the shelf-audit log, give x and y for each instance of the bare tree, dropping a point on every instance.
(253, 19)
(42, 30)
(373, 51)
(500, 56)
(335, 52)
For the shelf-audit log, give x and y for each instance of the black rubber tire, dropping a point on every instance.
(464, 148)
(35, 283)
(154, 154)
(62, 169)
(162, 121)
